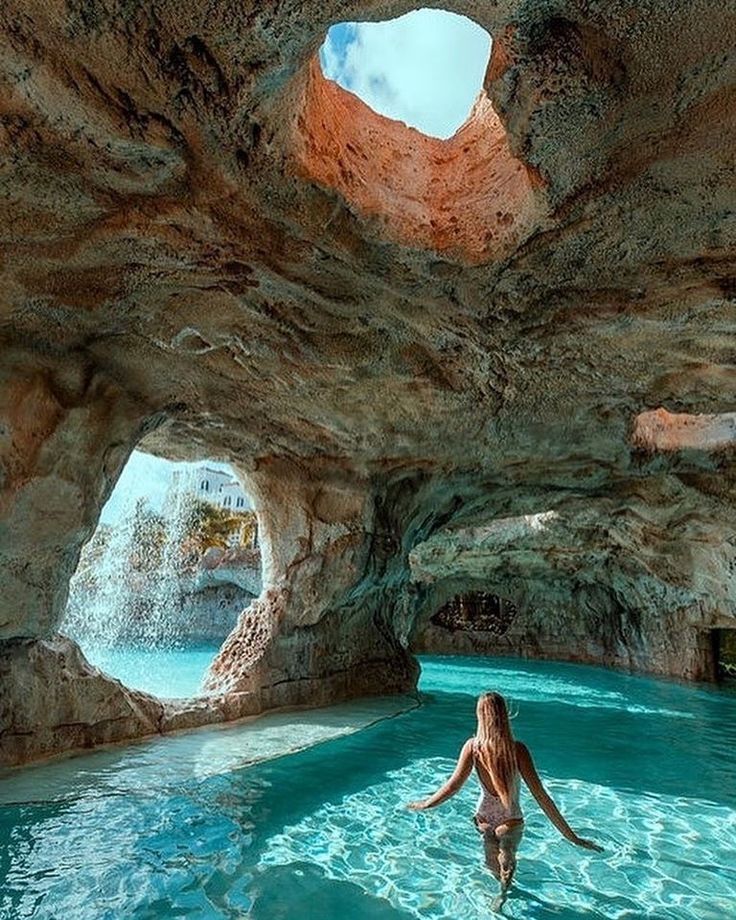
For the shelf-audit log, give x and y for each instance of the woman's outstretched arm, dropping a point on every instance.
(453, 784)
(531, 778)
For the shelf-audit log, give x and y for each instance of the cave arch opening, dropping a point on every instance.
(425, 68)
(174, 559)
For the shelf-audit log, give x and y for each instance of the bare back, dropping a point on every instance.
(491, 809)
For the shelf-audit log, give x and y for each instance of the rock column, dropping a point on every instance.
(321, 630)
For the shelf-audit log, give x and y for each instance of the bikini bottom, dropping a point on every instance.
(487, 823)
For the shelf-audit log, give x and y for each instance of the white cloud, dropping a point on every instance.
(425, 68)
(148, 477)
(143, 476)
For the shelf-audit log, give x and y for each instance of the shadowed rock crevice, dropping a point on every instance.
(478, 611)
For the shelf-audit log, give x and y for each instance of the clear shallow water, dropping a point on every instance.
(648, 768)
(164, 672)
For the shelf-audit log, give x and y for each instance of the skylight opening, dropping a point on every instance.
(425, 68)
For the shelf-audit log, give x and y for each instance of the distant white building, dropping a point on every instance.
(218, 487)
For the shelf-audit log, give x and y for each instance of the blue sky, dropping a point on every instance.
(425, 68)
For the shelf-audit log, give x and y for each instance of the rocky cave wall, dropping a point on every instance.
(615, 581)
(206, 246)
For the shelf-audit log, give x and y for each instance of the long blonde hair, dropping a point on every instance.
(495, 744)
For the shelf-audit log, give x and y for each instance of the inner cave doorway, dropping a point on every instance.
(476, 611)
(174, 560)
(724, 654)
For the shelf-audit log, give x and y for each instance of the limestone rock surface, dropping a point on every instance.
(238, 566)
(54, 701)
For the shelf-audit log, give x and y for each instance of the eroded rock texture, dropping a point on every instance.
(54, 701)
(406, 346)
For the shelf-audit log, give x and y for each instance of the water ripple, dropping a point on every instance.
(193, 829)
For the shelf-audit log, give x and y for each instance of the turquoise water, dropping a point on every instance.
(646, 767)
(164, 672)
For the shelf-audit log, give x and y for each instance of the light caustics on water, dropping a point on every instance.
(646, 767)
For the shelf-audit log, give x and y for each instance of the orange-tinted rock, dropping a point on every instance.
(466, 197)
(667, 431)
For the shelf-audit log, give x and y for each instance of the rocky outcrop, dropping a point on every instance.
(208, 614)
(625, 581)
(322, 629)
(86, 707)
(403, 345)
(236, 566)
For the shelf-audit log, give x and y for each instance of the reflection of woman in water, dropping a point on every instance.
(500, 763)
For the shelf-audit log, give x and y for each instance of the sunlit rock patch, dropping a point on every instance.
(467, 197)
(659, 429)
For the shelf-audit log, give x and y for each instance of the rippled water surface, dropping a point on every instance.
(646, 767)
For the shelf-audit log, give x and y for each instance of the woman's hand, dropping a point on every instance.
(418, 806)
(586, 844)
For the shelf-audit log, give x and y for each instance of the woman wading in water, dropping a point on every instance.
(501, 763)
